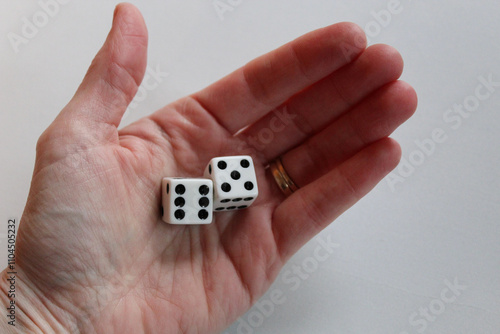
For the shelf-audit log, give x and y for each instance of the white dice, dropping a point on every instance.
(187, 201)
(234, 180)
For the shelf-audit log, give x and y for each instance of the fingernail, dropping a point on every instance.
(115, 11)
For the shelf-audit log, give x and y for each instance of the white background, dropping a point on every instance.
(396, 249)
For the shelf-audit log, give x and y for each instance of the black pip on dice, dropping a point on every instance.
(230, 183)
(187, 201)
(235, 182)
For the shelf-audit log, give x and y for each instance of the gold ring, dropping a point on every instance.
(285, 183)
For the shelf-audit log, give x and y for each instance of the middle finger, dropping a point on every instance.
(313, 109)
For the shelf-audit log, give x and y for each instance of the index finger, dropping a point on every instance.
(247, 94)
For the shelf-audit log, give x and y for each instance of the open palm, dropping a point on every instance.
(93, 254)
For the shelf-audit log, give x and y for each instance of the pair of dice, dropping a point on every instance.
(229, 183)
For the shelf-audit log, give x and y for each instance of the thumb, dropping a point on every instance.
(116, 72)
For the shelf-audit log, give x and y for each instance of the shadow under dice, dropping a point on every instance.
(234, 180)
(187, 201)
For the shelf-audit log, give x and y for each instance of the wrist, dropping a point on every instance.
(24, 310)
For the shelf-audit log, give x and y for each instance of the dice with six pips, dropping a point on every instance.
(187, 201)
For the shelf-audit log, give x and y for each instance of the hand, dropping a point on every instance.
(93, 254)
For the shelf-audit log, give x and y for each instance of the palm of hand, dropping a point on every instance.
(114, 250)
(91, 241)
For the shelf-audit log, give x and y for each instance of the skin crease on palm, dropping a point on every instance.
(92, 253)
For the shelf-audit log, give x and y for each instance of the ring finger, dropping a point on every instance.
(375, 118)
